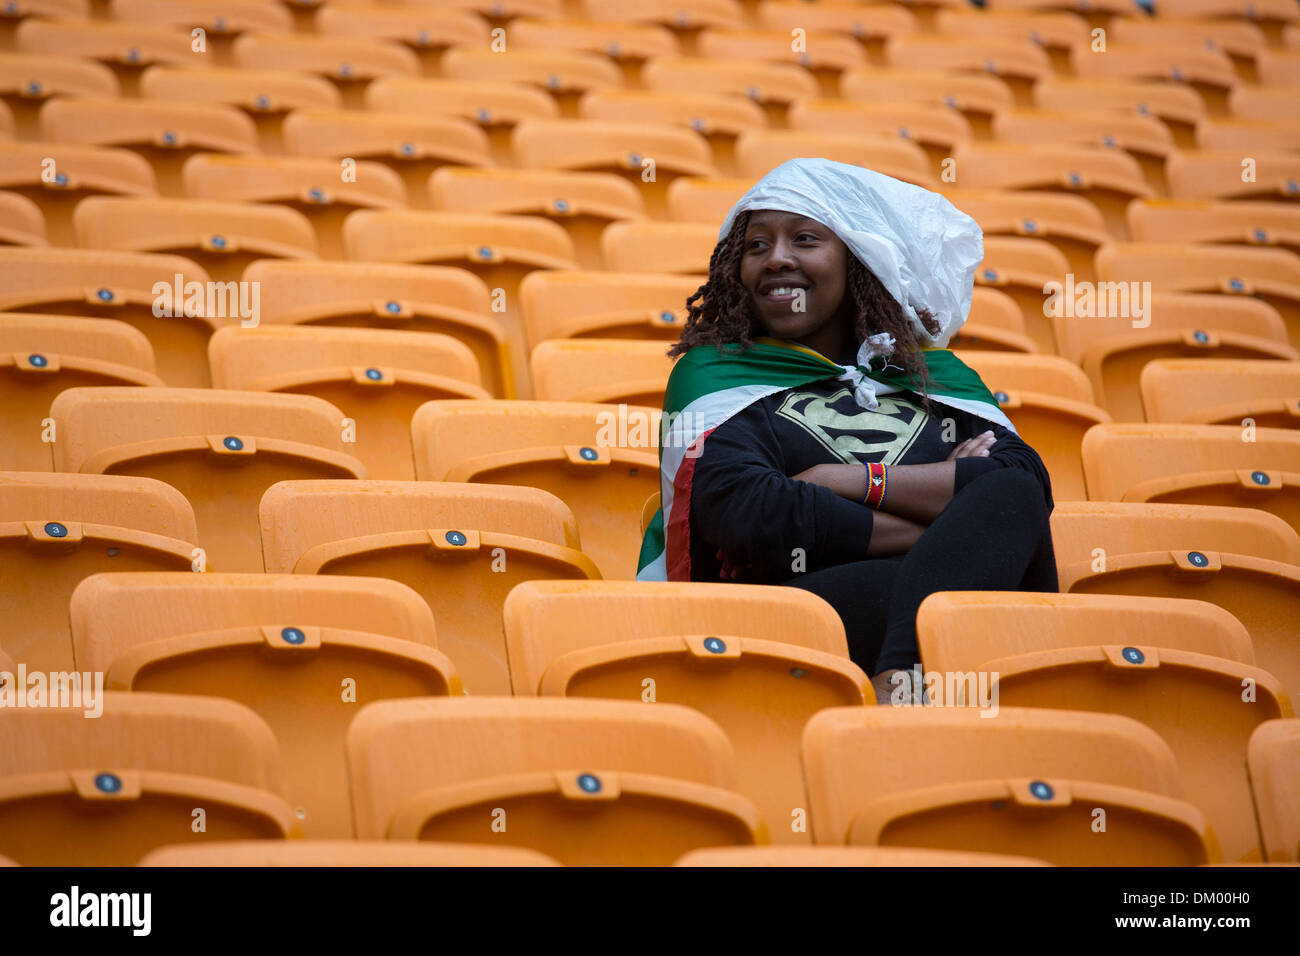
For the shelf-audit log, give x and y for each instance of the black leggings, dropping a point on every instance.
(993, 536)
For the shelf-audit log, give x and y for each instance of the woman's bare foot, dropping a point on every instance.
(885, 688)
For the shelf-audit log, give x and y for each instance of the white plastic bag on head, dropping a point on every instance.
(919, 245)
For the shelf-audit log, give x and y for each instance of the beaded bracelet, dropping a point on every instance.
(877, 482)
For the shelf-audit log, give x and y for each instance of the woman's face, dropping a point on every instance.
(795, 270)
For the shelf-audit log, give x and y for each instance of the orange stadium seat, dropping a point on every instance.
(1071, 223)
(377, 378)
(57, 176)
(221, 20)
(870, 26)
(1245, 561)
(165, 134)
(126, 286)
(823, 53)
(1196, 464)
(285, 646)
(773, 86)
(500, 250)
(647, 156)
(1027, 783)
(349, 62)
(56, 530)
(21, 221)
(564, 74)
(337, 853)
(1112, 344)
(1174, 104)
(411, 146)
(1054, 30)
(44, 9)
(1265, 12)
(1017, 61)
(994, 324)
(1049, 400)
(605, 305)
(126, 48)
(40, 356)
(583, 203)
(1022, 267)
(718, 117)
(670, 13)
(1207, 72)
(1264, 102)
(1108, 178)
(221, 449)
(704, 198)
(728, 651)
(313, 187)
(116, 787)
(494, 105)
(1153, 659)
(264, 95)
(662, 247)
(855, 856)
(427, 29)
(1222, 392)
(1240, 40)
(1279, 67)
(1272, 275)
(1144, 138)
(588, 782)
(1226, 174)
(223, 238)
(377, 296)
(600, 460)
(977, 97)
(1248, 136)
(600, 370)
(1273, 759)
(758, 151)
(1246, 223)
(460, 547)
(626, 43)
(935, 128)
(28, 80)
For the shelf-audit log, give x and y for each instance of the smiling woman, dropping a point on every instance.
(828, 441)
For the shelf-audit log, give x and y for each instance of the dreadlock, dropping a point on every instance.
(719, 313)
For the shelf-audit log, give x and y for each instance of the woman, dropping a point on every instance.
(816, 432)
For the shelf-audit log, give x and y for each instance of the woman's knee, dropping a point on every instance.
(1012, 489)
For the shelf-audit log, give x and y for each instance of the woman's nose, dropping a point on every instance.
(781, 256)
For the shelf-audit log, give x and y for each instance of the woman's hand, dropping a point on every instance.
(729, 571)
(977, 447)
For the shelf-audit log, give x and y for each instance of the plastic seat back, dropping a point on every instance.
(312, 187)
(605, 305)
(337, 853)
(588, 782)
(302, 652)
(758, 660)
(1222, 392)
(56, 530)
(600, 370)
(421, 299)
(221, 449)
(1116, 330)
(27, 80)
(600, 460)
(1153, 659)
(1195, 464)
(1273, 759)
(1027, 783)
(460, 547)
(104, 792)
(126, 286)
(223, 238)
(377, 377)
(1244, 560)
(40, 356)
